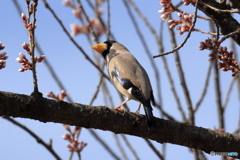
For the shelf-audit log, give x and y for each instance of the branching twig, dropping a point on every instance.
(216, 77)
(173, 89)
(198, 16)
(182, 79)
(46, 62)
(103, 144)
(38, 139)
(99, 17)
(204, 88)
(143, 40)
(154, 149)
(230, 35)
(31, 10)
(72, 40)
(120, 147)
(211, 33)
(188, 35)
(130, 147)
(229, 91)
(97, 91)
(220, 10)
(87, 18)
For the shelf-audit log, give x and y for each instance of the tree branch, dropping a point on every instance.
(223, 20)
(100, 117)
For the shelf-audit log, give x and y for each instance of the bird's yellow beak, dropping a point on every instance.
(100, 48)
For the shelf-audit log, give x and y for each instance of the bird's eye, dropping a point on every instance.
(112, 41)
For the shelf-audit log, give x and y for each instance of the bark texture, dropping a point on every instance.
(101, 117)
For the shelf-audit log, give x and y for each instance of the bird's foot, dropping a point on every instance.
(119, 108)
(138, 111)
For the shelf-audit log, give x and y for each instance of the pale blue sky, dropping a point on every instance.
(81, 78)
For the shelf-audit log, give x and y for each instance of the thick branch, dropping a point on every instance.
(165, 131)
(223, 20)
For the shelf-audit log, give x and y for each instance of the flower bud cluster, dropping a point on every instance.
(187, 2)
(167, 10)
(75, 145)
(60, 96)
(78, 13)
(29, 26)
(27, 65)
(3, 57)
(227, 62)
(185, 19)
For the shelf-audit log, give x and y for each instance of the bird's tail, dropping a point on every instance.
(149, 115)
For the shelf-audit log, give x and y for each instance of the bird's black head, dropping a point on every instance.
(109, 45)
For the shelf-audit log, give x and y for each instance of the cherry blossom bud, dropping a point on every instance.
(172, 26)
(67, 3)
(66, 136)
(1, 46)
(224, 69)
(21, 55)
(23, 17)
(3, 56)
(66, 126)
(20, 60)
(21, 70)
(164, 16)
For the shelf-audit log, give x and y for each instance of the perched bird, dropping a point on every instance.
(127, 75)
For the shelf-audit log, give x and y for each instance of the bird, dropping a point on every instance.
(128, 76)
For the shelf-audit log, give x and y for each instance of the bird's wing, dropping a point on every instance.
(129, 73)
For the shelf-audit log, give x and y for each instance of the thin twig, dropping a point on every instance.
(198, 16)
(160, 47)
(218, 96)
(179, 4)
(173, 89)
(170, 79)
(188, 35)
(71, 155)
(182, 79)
(97, 91)
(31, 34)
(103, 144)
(87, 18)
(229, 91)
(130, 147)
(202, 156)
(99, 17)
(237, 131)
(48, 146)
(211, 33)
(154, 149)
(230, 35)
(143, 40)
(72, 40)
(165, 114)
(233, 47)
(204, 88)
(108, 20)
(218, 89)
(46, 62)
(220, 10)
(108, 96)
(124, 155)
(218, 32)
